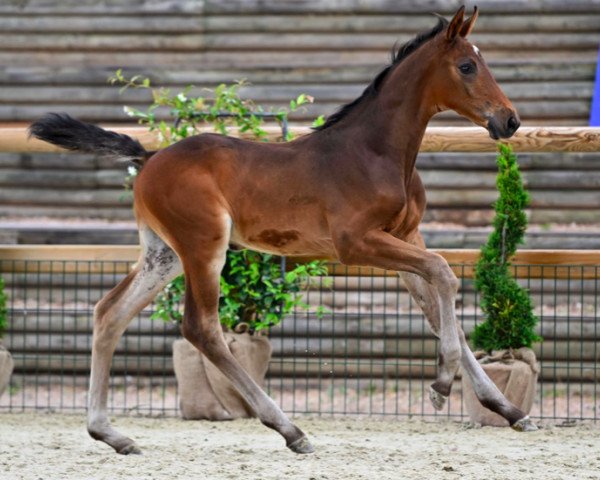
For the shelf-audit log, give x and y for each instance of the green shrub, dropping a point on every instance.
(254, 289)
(510, 322)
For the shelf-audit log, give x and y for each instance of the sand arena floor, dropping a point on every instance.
(56, 446)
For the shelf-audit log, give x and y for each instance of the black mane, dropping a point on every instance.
(398, 54)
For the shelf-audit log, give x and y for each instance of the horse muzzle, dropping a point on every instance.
(503, 125)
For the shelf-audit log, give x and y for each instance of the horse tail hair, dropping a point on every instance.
(67, 132)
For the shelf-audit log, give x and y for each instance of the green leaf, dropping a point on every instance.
(291, 277)
(319, 121)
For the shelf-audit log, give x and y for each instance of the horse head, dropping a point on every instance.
(461, 80)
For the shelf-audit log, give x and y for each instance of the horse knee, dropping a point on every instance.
(444, 278)
(449, 282)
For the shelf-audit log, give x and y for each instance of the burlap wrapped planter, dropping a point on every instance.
(515, 373)
(6, 368)
(204, 391)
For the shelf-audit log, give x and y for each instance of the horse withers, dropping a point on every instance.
(348, 191)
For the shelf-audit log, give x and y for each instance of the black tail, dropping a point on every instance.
(66, 132)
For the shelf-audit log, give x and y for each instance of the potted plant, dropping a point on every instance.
(256, 291)
(6, 361)
(503, 341)
(255, 295)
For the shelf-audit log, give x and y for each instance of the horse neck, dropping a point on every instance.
(405, 107)
(392, 123)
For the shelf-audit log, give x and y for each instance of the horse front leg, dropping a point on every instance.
(486, 391)
(380, 249)
(426, 297)
(202, 328)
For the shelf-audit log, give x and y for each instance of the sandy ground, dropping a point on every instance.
(56, 446)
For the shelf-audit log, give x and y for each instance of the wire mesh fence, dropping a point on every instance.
(370, 354)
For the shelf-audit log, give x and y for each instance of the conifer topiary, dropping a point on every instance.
(510, 322)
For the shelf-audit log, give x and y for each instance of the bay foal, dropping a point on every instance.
(348, 191)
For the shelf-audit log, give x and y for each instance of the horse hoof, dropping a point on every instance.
(524, 425)
(437, 399)
(131, 449)
(302, 445)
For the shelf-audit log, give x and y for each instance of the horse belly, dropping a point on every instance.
(283, 238)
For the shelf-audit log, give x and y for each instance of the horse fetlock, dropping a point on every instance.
(448, 362)
(98, 429)
(449, 359)
(285, 428)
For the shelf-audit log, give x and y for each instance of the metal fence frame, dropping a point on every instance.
(313, 379)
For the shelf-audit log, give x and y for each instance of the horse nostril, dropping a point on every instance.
(513, 124)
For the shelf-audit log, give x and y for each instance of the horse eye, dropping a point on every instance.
(467, 68)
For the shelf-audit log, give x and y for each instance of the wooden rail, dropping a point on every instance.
(563, 190)
(559, 264)
(436, 139)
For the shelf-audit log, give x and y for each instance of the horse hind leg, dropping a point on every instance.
(489, 395)
(158, 265)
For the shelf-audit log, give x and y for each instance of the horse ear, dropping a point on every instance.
(455, 24)
(469, 24)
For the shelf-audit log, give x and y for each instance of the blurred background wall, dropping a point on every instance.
(56, 55)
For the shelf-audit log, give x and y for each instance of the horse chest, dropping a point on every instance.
(407, 219)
